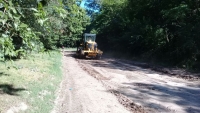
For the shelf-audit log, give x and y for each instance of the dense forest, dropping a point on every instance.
(159, 30)
(39, 25)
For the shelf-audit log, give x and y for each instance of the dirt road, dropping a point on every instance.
(98, 86)
(81, 93)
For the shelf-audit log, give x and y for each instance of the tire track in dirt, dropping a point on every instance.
(125, 101)
(145, 86)
(81, 93)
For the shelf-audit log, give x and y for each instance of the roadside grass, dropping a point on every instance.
(32, 81)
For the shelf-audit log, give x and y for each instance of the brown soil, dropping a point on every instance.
(111, 85)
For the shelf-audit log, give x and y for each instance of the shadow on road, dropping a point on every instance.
(10, 89)
(70, 54)
(118, 66)
(187, 97)
(126, 65)
(157, 94)
(3, 74)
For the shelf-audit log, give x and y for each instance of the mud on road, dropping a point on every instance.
(141, 89)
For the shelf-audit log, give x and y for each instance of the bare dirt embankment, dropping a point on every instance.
(136, 87)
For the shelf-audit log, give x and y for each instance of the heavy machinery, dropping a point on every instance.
(87, 47)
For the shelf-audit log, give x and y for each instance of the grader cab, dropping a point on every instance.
(87, 47)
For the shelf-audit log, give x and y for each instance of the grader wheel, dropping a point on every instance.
(81, 54)
(98, 57)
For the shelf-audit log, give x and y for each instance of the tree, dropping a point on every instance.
(162, 30)
(31, 25)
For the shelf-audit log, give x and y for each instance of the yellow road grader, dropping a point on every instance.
(87, 47)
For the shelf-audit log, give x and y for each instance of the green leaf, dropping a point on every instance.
(10, 3)
(33, 9)
(23, 25)
(4, 36)
(6, 51)
(3, 21)
(5, 5)
(10, 15)
(13, 9)
(16, 18)
(16, 25)
(41, 21)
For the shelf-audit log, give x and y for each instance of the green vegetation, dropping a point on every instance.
(161, 30)
(30, 33)
(39, 25)
(32, 81)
